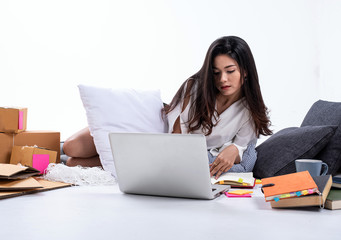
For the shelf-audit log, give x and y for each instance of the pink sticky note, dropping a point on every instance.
(235, 195)
(21, 120)
(40, 162)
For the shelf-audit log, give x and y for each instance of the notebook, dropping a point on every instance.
(288, 185)
(172, 165)
(234, 179)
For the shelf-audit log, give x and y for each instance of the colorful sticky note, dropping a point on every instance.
(236, 195)
(21, 120)
(276, 199)
(240, 192)
(258, 181)
(286, 195)
(298, 194)
(240, 180)
(305, 192)
(40, 162)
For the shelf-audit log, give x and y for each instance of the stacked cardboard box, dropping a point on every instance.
(15, 140)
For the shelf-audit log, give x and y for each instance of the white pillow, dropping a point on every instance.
(120, 110)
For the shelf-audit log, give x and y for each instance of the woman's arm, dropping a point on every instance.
(224, 161)
(245, 165)
(248, 161)
(231, 155)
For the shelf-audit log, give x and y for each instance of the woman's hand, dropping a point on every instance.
(224, 161)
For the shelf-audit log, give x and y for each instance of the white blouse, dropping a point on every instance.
(235, 126)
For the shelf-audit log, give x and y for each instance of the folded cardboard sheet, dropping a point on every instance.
(43, 185)
(17, 180)
(14, 172)
(17, 185)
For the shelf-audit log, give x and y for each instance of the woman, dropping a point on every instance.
(224, 102)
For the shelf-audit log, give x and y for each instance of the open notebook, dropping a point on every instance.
(235, 179)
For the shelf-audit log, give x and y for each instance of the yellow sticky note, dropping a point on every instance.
(240, 192)
(305, 192)
(285, 195)
(258, 181)
(221, 182)
(240, 180)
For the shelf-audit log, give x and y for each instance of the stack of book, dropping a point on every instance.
(296, 190)
(334, 197)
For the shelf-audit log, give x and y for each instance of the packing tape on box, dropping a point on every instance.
(21, 120)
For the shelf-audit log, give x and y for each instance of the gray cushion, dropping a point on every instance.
(277, 155)
(327, 113)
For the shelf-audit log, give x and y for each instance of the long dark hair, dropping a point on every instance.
(203, 109)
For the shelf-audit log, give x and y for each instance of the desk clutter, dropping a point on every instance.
(30, 148)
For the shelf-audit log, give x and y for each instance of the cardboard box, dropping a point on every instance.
(6, 144)
(13, 120)
(38, 158)
(44, 139)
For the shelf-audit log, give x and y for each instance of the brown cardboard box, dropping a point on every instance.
(6, 144)
(13, 120)
(45, 139)
(35, 157)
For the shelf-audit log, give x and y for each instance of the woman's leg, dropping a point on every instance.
(81, 149)
(84, 162)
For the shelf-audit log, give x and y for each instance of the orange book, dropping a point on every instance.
(288, 185)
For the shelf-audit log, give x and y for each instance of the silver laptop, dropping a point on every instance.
(173, 165)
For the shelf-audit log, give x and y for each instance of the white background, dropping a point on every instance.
(48, 47)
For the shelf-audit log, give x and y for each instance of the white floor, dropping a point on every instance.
(103, 212)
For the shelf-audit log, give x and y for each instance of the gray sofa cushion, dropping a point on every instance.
(327, 113)
(277, 155)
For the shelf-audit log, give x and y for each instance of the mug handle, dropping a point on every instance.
(325, 170)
